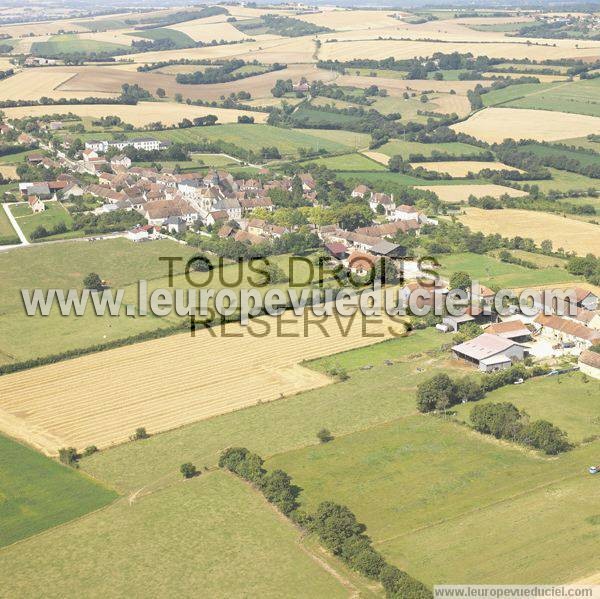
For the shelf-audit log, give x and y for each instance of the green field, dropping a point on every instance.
(213, 535)
(565, 181)
(71, 44)
(406, 148)
(386, 73)
(180, 39)
(510, 512)
(565, 400)
(349, 162)
(371, 178)
(513, 92)
(368, 398)
(539, 259)
(580, 97)
(582, 142)
(307, 116)
(37, 493)
(350, 139)
(216, 160)
(493, 273)
(250, 137)
(54, 214)
(8, 235)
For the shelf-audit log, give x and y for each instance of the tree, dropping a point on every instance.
(396, 163)
(543, 435)
(324, 435)
(68, 456)
(160, 92)
(460, 280)
(467, 331)
(178, 97)
(140, 433)
(88, 451)
(546, 246)
(399, 585)
(188, 470)
(334, 524)
(386, 272)
(434, 392)
(93, 282)
(502, 420)
(278, 489)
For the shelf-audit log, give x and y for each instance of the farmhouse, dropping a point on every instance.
(515, 330)
(360, 191)
(589, 363)
(564, 331)
(490, 352)
(404, 212)
(120, 160)
(36, 204)
(388, 250)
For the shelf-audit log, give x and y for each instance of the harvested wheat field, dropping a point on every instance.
(572, 235)
(90, 80)
(341, 20)
(461, 193)
(496, 124)
(33, 84)
(8, 171)
(542, 78)
(206, 30)
(399, 49)
(102, 398)
(169, 113)
(377, 157)
(396, 87)
(461, 168)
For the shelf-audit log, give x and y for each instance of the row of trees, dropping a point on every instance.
(335, 525)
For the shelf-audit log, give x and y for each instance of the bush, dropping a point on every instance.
(399, 585)
(543, 435)
(324, 436)
(188, 470)
(68, 456)
(140, 433)
(88, 451)
(93, 282)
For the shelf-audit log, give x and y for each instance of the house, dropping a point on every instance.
(360, 191)
(72, 190)
(563, 331)
(4, 129)
(36, 204)
(246, 237)
(157, 212)
(251, 204)
(140, 233)
(214, 217)
(226, 231)
(40, 189)
(382, 199)
(262, 228)
(586, 299)
(25, 139)
(483, 294)
(308, 183)
(96, 146)
(515, 330)
(490, 352)
(301, 87)
(55, 125)
(120, 160)
(361, 263)
(473, 314)
(405, 212)
(231, 206)
(35, 158)
(88, 155)
(175, 224)
(589, 363)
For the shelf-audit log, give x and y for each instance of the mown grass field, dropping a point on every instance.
(406, 148)
(180, 39)
(423, 484)
(492, 272)
(579, 97)
(37, 493)
(252, 137)
(71, 44)
(585, 158)
(54, 214)
(565, 181)
(312, 117)
(349, 162)
(570, 401)
(368, 398)
(7, 234)
(513, 92)
(539, 259)
(212, 533)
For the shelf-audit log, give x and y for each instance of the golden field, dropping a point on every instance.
(169, 113)
(572, 235)
(461, 193)
(206, 30)
(170, 382)
(461, 168)
(496, 124)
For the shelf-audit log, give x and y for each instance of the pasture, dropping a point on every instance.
(490, 125)
(458, 192)
(168, 113)
(565, 181)
(422, 476)
(349, 162)
(173, 540)
(558, 152)
(54, 215)
(570, 401)
(8, 235)
(408, 148)
(38, 493)
(72, 44)
(500, 275)
(572, 235)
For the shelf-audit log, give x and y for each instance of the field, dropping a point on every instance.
(490, 125)
(173, 541)
(461, 193)
(539, 259)
(585, 158)
(7, 233)
(253, 137)
(575, 411)
(268, 369)
(565, 181)
(71, 44)
(349, 162)
(38, 493)
(54, 214)
(406, 148)
(426, 483)
(460, 168)
(180, 39)
(502, 275)
(168, 113)
(571, 235)
(204, 30)
(577, 97)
